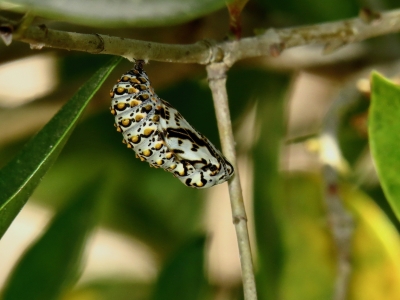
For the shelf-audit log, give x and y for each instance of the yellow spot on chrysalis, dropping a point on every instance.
(132, 90)
(199, 184)
(168, 155)
(158, 146)
(142, 158)
(134, 80)
(120, 89)
(119, 129)
(113, 112)
(147, 131)
(147, 152)
(135, 103)
(138, 117)
(172, 167)
(125, 122)
(135, 139)
(111, 94)
(125, 78)
(148, 107)
(129, 145)
(182, 172)
(121, 105)
(145, 96)
(159, 162)
(156, 118)
(143, 87)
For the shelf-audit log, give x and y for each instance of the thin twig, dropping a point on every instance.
(331, 34)
(342, 228)
(217, 80)
(340, 220)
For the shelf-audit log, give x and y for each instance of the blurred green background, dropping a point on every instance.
(103, 225)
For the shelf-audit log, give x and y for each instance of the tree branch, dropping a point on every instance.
(217, 81)
(103, 44)
(332, 34)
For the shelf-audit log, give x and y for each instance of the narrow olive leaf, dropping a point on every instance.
(118, 13)
(183, 275)
(52, 264)
(20, 176)
(384, 138)
(269, 207)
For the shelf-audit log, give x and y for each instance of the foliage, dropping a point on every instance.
(20, 177)
(294, 247)
(383, 128)
(69, 230)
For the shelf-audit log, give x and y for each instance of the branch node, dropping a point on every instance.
(276, 49)
(100, 46)
(237, 219)
(369, 16)
(6, 31)
(333, 46)
(44, 28)
(37, 46)
(216, 54)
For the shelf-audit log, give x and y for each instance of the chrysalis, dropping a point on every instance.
(160, 135)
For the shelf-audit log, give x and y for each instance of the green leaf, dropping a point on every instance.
(375, 259)
(307, 242)
(309, 246)
(268, 195)
(384, 128)
(111, 287)
(183, 276)
(20, 176)
(52, 264)
(309, 11)
(118, 13)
